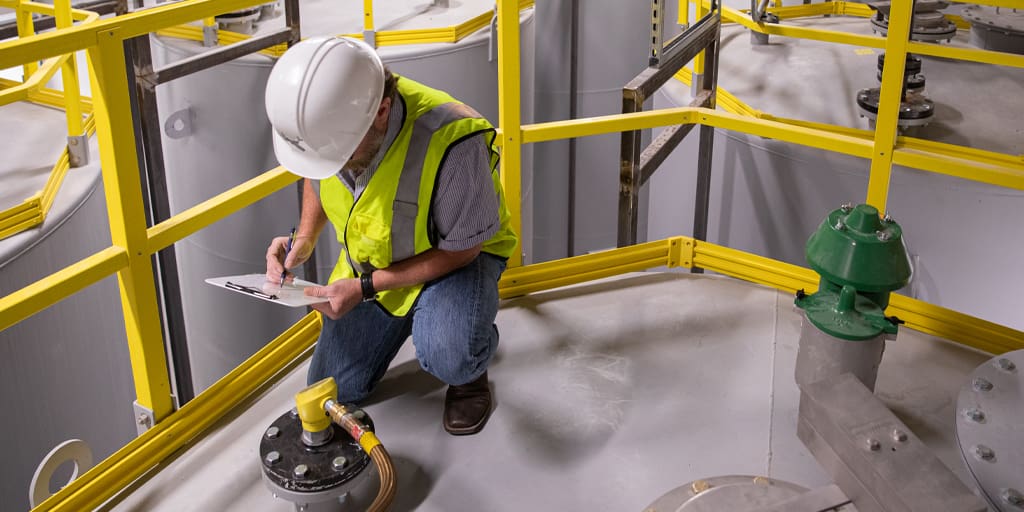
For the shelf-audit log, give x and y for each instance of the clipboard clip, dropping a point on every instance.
(250, 290)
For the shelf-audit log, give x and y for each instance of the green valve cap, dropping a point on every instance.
(861, 258)
(853, 246)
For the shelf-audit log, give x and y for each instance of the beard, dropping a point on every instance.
(367, 149)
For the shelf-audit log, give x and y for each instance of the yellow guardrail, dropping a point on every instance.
(32, 211)
(854, 9)
(963, 162)
(133, 243)
(452, 34)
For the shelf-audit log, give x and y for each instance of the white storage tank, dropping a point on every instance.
(226, 141)
(64, 372)
(768, 196)
(612, 47)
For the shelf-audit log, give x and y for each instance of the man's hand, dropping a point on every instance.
(344, 294)
(278, 261)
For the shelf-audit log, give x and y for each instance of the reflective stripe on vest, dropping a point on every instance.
(403, 224)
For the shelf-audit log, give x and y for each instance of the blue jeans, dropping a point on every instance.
(452, 327)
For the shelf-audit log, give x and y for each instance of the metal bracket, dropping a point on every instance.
(179, 124)
(872, 455)
(657, 38)
(370, 37)
(492, 48)
(144, 418)
(696, 84)
(78, 150)
(210, 36)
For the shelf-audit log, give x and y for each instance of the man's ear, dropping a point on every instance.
(384, 109)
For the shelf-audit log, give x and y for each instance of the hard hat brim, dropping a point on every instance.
(307, 164)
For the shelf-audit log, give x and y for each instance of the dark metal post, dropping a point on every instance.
(637, 166)
(574, 44)
(709, 83)
(629, 172)
(155, 179)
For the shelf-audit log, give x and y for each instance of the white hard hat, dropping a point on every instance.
(322, 96)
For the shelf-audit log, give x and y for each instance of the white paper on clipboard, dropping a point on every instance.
(256, 285)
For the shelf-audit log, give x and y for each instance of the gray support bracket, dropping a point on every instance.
(144, 418)
(210, 35)
(872, 455)
(370, 36)
(78, 150)
(696, 84)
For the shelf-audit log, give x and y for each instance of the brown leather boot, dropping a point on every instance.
(467, 407)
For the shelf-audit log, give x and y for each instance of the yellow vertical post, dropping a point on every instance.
(684, 13)
(889, 103)
(509, 115)
(69, 73)
(368, 15)
(26, 28)
(123, 189)
(698, 62)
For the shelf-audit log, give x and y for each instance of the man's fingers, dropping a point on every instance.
(275, 255)
(316, 291)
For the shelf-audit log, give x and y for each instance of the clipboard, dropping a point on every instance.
(256, 285)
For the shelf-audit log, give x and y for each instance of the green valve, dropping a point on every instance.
(860, 258)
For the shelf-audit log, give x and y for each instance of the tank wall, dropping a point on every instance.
(613, 45)
(66, 371)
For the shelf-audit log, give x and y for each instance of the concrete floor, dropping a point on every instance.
(609, 394)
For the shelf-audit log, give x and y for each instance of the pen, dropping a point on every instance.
(250, 290)
(287, 249)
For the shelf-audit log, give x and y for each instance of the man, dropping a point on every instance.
(407, 176)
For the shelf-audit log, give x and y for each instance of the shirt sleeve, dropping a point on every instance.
(465, 205)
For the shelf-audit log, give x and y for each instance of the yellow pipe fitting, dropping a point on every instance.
(310, 404)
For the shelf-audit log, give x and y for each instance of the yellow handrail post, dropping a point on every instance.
(369, 35)
(684, 13)
(72, 93)
(509, 115)
(889, 103)
(26, 28)
(123, 189)
(698, 61)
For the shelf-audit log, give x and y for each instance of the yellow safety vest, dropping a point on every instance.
(390, 221)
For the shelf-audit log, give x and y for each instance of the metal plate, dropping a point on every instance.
(990, 429)
(998, 18)
(733, 492)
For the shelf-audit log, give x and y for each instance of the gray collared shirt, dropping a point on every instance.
(464, 209)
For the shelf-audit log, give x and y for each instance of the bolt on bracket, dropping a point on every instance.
(78, 150)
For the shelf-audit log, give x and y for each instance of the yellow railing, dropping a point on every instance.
(962, 162)
(887, 147)
(452, 34)
(133, 243)
(32, 211)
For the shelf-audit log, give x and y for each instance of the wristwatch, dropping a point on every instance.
(366, 281)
